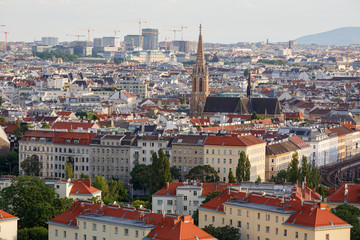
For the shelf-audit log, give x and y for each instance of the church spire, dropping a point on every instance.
(248, 90)
(200, 58)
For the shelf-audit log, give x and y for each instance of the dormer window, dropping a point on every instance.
(179, 140)
(67, 140)
(76, 141)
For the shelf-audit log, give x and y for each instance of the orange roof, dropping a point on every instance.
(73, 125)
(66, 114)
(338, 196)
(5, 216)
(81, 138)
(83, 186)
(233, 140)
(170, 227)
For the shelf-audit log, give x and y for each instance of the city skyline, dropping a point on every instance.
(224, 22)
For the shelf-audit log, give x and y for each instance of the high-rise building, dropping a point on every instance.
(131, 41)
(98, 42)
(200, 82)
(150, 39)
(51, 41)
(108, 41)
(183, 46)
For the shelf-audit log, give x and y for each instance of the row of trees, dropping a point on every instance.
(308, 173)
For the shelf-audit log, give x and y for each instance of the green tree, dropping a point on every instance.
(280, 177)
(258, 180)
(140, 177)
(305, 170)
(20, 129)
(101, 184)
(175, 173)
(31, 166)
(160, 171)
(314, 180)
(183, 100)
(69, 171)
(45, 125)
(203, 173)
(243, 168)
(2, 119)
(32, 201)
(38, 233)
(84, 176)
(293, 169)
(223, 233)
(117, 192)
(231, 177)
(211, 195)
(138, 203)
(349, 214)
(195, 216)
(11, 159)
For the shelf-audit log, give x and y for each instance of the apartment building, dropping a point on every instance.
(223, 152)
(279, 154)
(147, 145)
(88, 221)
(184, 198)
(8, 226)
(54, 149)
(261, 216)
(133, 85)
(111, 156)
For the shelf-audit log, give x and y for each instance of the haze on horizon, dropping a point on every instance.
(227, 21)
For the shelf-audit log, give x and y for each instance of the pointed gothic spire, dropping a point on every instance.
(200, 58)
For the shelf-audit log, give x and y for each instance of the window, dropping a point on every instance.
(104, 228)
(195, 193)
(296, 235)
(305, 236)
(185, 198)
(169, 202)
(84, 236)
(223, 221)
(185, 208)
(94, 238)
(94, 226)
(116, 230)
(136, 233)
(267, 217)
(159, 202)
(239, 212)
(276, 231)
(56, 232)
(213, 219)
(76, 236)
(277, 219)
(64, 234)
(267, 229)
(258, 227)
(258, 215)
(230, 222)
(239, 224)
(247, 214)
(327, 237)
(247, 225)
(285, 232)
(126, 232)
(205, 217)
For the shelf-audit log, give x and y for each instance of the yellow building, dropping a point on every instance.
(268, 217)
(88, 221)
(8, 226)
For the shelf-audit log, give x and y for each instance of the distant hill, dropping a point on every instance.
(340, 37)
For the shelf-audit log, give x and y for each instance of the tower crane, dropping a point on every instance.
(6, 33)
(139, 22)
(75, 35)
(89, 30)
(182, 27)
(174, 30)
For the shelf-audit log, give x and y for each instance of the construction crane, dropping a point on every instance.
(89, 30)
(155, 35)
(139, 22)
(182, 27)
(75, 35)
(6, 33)
(174, 30)
(166, 38)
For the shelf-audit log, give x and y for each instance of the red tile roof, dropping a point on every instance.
(233, 140)
(83, 186)
(79, 138)
(5, 216)
(170, 227)
(353, 195)
(73, 125)
(299, 142)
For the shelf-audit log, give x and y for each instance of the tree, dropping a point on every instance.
(314, 180)
(243, 168)
(183, 100)
(84, 176)
(101, 184)
(2, 119)
(117, 192)
(175, 173)
(160, 171)
(45, 125)
(69, 171)
(305, 170)
(203, 173)
(223, 233)
(246, 72)
(280, 177)
(39, 233)
(20, 130)
(31, 166)
(349, 214)
(32, 201)
(211, 195)
(231, 177)
(258, 180)
(139, 203)
(140, 177)
(5, 162)
(293, 169)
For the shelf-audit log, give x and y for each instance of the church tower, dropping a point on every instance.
(200, 82)
(248, 90)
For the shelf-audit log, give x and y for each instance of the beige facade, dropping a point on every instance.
(8, 229)
(186, 157)
(224, 158)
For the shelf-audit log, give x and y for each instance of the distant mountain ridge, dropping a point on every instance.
(340, 37)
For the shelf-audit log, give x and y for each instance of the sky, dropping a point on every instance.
(224, 21)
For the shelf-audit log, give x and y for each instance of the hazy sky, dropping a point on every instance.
(223, 21)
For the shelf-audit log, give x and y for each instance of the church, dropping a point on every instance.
(201, 104)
